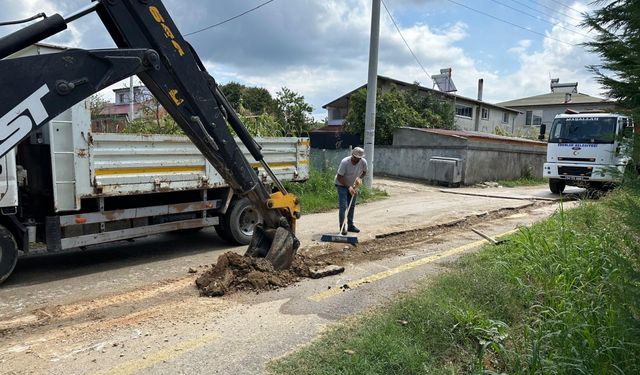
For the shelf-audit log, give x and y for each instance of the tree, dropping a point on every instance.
(294, 114)
(618, 43)
(233, 92)
(397, 107)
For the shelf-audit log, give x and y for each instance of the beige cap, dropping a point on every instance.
(358, 152)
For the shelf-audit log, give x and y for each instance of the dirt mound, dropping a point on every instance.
(236, 272)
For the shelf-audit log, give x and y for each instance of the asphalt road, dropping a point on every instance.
(132, 307)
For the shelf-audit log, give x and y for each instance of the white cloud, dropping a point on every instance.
(320, 48)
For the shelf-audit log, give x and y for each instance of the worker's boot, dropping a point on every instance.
(353, 229)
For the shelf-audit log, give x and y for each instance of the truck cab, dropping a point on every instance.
(589, 150)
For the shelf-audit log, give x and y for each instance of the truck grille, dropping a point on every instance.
(574, 171)
(591, 160)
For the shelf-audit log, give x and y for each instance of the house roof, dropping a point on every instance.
(477, 136)
(111, 109)
(554, 98)
(425, 89)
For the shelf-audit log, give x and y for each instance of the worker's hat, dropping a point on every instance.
(358, 152)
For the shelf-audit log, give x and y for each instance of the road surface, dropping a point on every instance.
(133, 307)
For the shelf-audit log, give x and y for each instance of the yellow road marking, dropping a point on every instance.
(103, 172)
(136, 365)
(405, 267)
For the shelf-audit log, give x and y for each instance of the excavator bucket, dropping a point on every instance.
(279, 246)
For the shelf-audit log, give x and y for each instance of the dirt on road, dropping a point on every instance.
(234, 272)
(152, 319)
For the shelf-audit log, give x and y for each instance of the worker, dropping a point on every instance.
(351, 171)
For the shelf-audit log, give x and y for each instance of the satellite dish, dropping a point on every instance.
(444, 81)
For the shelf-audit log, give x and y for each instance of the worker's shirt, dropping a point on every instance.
(350, 171)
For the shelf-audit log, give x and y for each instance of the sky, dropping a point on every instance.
(319, 48)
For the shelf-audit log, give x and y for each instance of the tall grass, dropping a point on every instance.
(319, 193)
(561, 297)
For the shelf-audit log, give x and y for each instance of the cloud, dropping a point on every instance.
(320, 48)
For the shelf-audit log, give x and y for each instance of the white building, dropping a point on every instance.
(471, 114)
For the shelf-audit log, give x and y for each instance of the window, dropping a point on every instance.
(485, 113)
(464, 111)
(121, 98)
(505, 117)
(533, 118)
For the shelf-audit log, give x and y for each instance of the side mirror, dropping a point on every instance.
(543, 130)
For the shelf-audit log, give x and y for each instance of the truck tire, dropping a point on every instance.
(556, 186)
(222, 232)
(8, 253)
(239, 221)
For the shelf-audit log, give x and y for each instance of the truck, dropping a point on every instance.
(588, 150)
(65, 187)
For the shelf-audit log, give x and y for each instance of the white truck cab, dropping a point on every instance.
(588, 149)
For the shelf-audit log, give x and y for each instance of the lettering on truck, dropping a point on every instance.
(22, 119)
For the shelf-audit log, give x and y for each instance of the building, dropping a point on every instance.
(542, 109)
(471, 114)
(113, 117)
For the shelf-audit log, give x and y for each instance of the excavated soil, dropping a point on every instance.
(234, 272)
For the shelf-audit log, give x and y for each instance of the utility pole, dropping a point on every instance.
(131, 99)
(372, 89)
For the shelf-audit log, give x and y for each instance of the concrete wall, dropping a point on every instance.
(483, 160)
(489, 161)
(327, 160)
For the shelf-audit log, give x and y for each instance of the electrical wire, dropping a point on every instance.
(540, 19)
(544, 6)
(561, 4)
(511, 23)
(405, 41)
(7, 23)
(230, 19)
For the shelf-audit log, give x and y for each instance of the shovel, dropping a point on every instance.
(491, 240)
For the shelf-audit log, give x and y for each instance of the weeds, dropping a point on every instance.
(319, 194)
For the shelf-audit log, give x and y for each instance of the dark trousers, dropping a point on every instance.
(343, 202)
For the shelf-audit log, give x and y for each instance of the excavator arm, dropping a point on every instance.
(149, 45)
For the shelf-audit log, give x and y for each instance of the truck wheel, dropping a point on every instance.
(239, 221)
(556, 186)
(8, 253)
(222, 232)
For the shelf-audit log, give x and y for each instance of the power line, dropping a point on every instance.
(510, 23)
(230, 19)
(544, 6)
(404, 40)
(561, 4)
(540, 19)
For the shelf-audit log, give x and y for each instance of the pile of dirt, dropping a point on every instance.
(235, 272)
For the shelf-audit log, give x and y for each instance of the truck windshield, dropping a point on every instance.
(583, 130)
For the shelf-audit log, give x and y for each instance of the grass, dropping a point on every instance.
(561, 297)
(318, 193)
(523, 181)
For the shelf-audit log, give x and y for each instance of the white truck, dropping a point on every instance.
(65, 187)
(588, 150)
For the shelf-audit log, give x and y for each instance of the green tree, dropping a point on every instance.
(618, 43)
(257, 100)
(396, 108)
(233, 92)
(294, 114)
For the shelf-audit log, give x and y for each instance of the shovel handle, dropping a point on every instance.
(484, 236)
